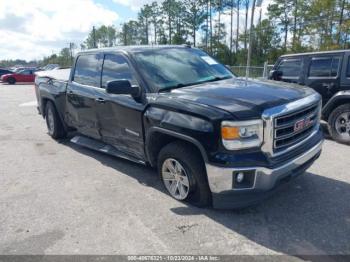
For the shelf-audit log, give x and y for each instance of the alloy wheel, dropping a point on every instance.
(50, 121)
(175, 179)
(342, 125)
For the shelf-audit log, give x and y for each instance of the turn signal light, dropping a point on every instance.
(229, 133)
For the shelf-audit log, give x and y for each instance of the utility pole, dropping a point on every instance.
(207, 28)
(94, 35)
(250, 40)
(71, 46)
(231, 33)
(237, 26)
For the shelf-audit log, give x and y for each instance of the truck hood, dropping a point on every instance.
(245, 99)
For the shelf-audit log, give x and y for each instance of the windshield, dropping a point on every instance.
(169, 68)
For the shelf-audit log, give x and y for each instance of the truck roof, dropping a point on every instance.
(133, 48)
(317, 53)
(63, 74)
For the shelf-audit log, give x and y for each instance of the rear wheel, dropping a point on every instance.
(182, 171)
(53, 122)
(11, 81)
(339, 124)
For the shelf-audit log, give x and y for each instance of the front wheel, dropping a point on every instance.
(53, 122)
(182, 171)
(11, 81)
(339, 124)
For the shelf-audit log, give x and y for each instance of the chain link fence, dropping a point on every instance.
(254, 71)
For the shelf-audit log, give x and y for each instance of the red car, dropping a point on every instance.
(25, 75)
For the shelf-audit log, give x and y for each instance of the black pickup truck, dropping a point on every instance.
(215, 139)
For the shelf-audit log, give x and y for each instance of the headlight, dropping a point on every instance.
(242, 134)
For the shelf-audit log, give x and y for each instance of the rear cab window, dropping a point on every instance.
(88, 70)
(324, 67)
(290, 68)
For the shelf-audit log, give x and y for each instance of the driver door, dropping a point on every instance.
(345, 73)
(290, 69)
(26, 76)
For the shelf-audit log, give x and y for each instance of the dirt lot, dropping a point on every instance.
(58, 198)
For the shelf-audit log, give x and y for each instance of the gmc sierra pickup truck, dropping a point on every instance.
(214, 138)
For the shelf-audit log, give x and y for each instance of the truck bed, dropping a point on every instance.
(59, 74)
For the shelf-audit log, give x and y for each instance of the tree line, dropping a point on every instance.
(287, 27)
(222, 28)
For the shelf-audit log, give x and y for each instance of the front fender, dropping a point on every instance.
(178, 125)
(338, 99)
(177, 121)
(4, 78)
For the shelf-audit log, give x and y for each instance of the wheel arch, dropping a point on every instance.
(44, 101)
(157, 138)
(11, 77)
(341, 98)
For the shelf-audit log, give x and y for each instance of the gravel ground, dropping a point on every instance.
(58, 198)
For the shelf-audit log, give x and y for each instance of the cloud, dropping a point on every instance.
(32, 29)
(135, 5)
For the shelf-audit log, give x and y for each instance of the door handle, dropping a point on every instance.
(70, 93)
(100, 100)
(328, 85)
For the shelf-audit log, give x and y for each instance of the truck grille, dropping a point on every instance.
(292, 128)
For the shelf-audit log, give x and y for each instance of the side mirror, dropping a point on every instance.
(276, 75)
(122, 87)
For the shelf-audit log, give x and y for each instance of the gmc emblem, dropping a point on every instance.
(301, 124)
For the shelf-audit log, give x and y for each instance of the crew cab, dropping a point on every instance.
(25, 75)
(214, 138)
(329, 74)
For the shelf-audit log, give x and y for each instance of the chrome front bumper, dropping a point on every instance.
(221, 179)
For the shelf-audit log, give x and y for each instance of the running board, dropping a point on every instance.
(103, 148)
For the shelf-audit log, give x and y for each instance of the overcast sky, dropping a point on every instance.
(31, 29)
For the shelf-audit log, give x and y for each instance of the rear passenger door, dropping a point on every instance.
(120, 116)
(81, 95)
(323, 75)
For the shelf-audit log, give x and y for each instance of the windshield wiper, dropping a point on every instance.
(179, 85)
(168, 88)
(217, 78)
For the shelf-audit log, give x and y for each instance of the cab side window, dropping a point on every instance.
(116, 67)
(26, 72)
(348, 69)
(324, 67)
(88, 70)
(290, 68)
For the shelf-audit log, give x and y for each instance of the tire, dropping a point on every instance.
(11, 81)
(339, 124)
(53, 122)
(191, 166)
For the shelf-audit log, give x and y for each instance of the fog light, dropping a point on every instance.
(243, 179)
(240, 177)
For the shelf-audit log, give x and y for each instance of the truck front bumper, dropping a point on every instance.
(228, 193)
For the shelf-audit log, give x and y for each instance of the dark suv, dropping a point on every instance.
(213, 137)
(329, 74)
